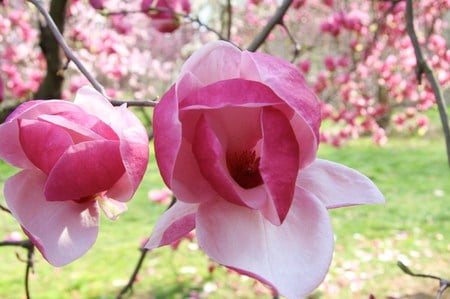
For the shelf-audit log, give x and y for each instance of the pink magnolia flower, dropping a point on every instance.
(236, 139)
(163, 15)
(76, 159)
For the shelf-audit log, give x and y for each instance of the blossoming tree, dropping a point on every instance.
(236, 135)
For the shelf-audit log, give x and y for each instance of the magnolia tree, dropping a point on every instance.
(236, 132)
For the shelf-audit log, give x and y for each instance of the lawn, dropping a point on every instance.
(412, 227)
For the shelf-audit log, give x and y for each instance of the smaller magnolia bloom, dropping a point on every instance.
(77, 158)
(236, 139)
(164, 13)
(97, 4)
(163, 196)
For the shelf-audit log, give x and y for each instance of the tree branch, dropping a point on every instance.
(423, 68)
(51, 86)
(135, 103)
(443, 283)
(277, 18)
(4, 209)
(67, 51)
(129, 286)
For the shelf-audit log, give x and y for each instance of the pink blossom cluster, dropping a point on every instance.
(21, 63)
(360, 61)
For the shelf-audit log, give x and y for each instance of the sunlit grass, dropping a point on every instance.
(413, 226)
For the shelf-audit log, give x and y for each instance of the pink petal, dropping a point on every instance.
(230, 93)
(11, 150)
(293, 257)
(188, 183)
(39, 108)
(279, 161)
(337, 185)
(92, 102)
(134, 149)
(22, 108)
(43, 143)
(62, 231)
(167, 134)
(84, 170)
(112, 208)
(175, 223)
(210, 157)
(287, 82)
(78, 133)
(206, 65)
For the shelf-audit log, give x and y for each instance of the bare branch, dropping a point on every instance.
(129, 286)
(135, 103)
(276, 19)
(423, 68)
(60, 39)
(443, 283)
(4, 209)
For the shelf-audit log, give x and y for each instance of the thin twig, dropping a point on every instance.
(29, 269)
(135, 103)
(67, 51)
(230, 19)
(129, 286)
(293, 41)
(443, 283)
(4, 209)
(423, 68)
(277, 18)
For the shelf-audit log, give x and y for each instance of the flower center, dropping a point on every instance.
(244, 168)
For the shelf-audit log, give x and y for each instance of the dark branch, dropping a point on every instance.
(129, 286)
(423, 68)
(276, 19)
(230, 19)
(4, 209)
(134, 103)
(60, 39)
(443, 283)
(29, 269)
(51, 86)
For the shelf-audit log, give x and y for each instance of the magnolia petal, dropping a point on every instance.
(287, 82)
(293, 257)
(134, 150)
(22, 108)
(112, 208)
(93, 102)
(188, 183)
(85, 170)
(39, 108)
(205, 64)
(11, 150)
(62, 231)
(337, 185)
(210, 158)
(175, 223)
(167, 134)
(230, 93)
(43, 143)
(279, 161)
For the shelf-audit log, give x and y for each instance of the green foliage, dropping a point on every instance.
(413, 227)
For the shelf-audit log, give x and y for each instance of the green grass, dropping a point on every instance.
(413, 226)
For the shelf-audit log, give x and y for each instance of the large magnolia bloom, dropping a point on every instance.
(77, 158)
(236, 139)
